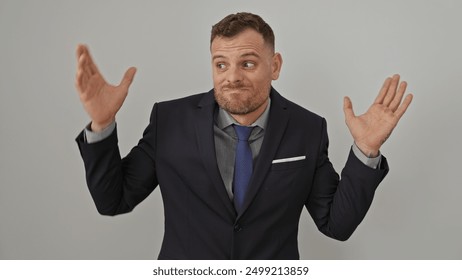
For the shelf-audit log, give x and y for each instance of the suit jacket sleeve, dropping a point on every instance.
(338, 206)
(118, 185)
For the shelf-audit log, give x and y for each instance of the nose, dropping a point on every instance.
(234, 75)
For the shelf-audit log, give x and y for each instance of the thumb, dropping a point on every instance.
(348, 109)
(128, 77)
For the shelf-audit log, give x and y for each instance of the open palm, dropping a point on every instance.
(371, 129)
(101, 100)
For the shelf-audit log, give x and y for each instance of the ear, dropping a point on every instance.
(276, 66)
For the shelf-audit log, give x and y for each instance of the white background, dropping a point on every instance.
(330, 49)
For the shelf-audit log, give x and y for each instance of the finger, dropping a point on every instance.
(403, 107)
(348, 109)
(79, 55)
(84, 56)
(81, 87)
(79, 82)
(399, 96)
(82, 78)
(383, 91)
(83, 67)
(391, 90)
(128, 77)
(83, 73)
(80, 50)
(82, 53)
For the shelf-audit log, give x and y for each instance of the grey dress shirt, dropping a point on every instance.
(226, 141)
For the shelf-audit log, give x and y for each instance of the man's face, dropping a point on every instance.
(243, 68)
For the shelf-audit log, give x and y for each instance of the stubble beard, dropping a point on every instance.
(239, 100)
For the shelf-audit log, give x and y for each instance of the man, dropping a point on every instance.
(228, 195)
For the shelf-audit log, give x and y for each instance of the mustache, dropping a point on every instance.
(233, 86)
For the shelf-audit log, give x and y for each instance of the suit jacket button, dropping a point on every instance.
(237, 228)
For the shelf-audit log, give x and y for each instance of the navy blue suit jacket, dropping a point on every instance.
(177, 152)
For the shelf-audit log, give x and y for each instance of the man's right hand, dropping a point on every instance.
(101, 100)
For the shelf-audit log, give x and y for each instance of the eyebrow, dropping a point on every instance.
(219, 56)
(250, 54)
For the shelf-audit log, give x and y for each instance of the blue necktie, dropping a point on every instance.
(243, 165)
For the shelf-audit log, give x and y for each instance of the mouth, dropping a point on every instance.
(239, 90)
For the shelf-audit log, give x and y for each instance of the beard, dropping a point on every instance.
(239, 99)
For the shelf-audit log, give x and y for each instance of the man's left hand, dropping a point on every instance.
(371, 129)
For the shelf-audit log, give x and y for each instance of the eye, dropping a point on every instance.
(220, 65)
(249, 64)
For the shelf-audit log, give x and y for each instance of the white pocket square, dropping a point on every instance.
(289, 159)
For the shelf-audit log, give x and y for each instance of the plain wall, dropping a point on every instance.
(330, 49)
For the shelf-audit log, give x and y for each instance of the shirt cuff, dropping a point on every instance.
(371, 162)
(93, 137)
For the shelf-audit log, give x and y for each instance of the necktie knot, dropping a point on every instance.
(243, 132)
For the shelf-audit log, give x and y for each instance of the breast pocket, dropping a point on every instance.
(289, 163)
(289, 182)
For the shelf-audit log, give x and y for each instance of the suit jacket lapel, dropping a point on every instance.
(205, 138)
(277, 122)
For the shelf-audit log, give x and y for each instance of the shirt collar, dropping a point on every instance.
(224, 119)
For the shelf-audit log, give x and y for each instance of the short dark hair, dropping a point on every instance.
(234, 24)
